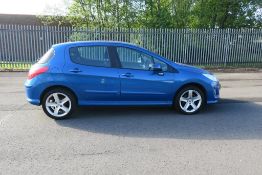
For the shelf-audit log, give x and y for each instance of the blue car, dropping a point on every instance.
(109, 73)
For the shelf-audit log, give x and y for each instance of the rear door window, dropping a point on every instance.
(90, 56)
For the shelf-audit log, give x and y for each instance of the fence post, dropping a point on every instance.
(46, 44)
(227, 47)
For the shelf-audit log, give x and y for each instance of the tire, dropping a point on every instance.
(190, 100)
(59, 103)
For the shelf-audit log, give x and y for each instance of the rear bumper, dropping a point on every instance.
(33, 101)
(32, 95)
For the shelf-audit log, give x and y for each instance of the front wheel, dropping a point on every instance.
(190, 100)
(58, 103)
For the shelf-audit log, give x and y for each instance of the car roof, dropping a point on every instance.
(94, 42)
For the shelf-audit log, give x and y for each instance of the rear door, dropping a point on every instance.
(91, 72)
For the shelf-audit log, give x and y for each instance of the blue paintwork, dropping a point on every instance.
(107, 86)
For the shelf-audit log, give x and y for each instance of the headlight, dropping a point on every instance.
(211, 77)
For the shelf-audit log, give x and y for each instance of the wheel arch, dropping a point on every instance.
(198, 85)
(57, 87)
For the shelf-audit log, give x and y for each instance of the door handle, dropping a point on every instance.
(76, 70)
(127, 75)
(160, 73)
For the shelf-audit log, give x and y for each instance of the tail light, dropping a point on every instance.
(36, 71)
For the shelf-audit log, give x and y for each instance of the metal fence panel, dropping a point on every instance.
(21, 46)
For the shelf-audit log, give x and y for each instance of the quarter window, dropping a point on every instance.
(90, 56)
(47, 56)
(163, 65)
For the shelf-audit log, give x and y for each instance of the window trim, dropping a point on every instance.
(109, 55)
(170, 69)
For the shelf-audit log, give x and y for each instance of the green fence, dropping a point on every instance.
(20, 46)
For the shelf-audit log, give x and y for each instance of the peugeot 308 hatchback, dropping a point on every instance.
(104, 73)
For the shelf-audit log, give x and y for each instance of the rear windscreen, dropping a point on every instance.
(47, 56)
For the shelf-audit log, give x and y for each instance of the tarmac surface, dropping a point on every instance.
(226, 138)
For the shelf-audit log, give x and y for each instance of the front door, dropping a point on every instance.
(139, 84)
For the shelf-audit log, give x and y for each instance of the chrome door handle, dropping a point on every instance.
(127, 75)
(76, 70)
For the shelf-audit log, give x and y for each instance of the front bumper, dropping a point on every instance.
(214, 93)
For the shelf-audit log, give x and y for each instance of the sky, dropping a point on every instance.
(36, 7)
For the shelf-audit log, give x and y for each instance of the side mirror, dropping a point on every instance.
(156, 67)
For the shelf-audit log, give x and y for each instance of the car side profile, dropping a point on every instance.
(109, 73)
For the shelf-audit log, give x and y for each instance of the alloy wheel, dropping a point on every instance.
(58, 104)
(190, 101)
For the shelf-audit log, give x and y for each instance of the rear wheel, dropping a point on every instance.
(190, 100)
(58, 103)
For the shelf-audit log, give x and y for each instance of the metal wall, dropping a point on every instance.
(23, 45)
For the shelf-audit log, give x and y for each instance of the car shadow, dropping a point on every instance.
(230, 119)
